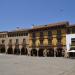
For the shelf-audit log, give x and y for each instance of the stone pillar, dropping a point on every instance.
(37, 51)
(55, 49)
(45, 53)
(66, 54)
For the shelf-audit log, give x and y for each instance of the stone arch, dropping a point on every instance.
(59, 52)
(50, 52)
(10, 50)
(16, 51)
(24, 51)
(2, 50)
(40, 52)
(33, 52)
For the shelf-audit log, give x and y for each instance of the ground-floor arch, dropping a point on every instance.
(59, 52)
(3, 50)
(33, 52)
(10, 50)
(71, 54)
(40, 52)
(50, 52)
(17, 51)
(24, 51)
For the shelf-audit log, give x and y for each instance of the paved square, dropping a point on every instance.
(26, 65)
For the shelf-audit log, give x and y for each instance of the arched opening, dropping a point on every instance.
(40, 52)
(17, 51)
(3, 50)
(33, 52)
(10, 50)
(59, 52)
(24, 51)
(71, 54)
(50, 52)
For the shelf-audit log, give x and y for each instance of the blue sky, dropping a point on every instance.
(25, 13)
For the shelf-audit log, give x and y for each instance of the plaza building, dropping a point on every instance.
(3, 42)
(48, 40)
(14, 42)
(70, 41)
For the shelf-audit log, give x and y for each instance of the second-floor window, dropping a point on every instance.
(41, 34)
(3, 41)
(33, 34)
(58, 32)
(10, 40)
(49, 33)
(73, 30)
(17, 41)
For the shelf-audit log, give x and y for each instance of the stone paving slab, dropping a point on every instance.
(27, 65)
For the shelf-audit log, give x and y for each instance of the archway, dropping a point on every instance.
(10, 50)
(59, 52)
(50, 52)
(3, 49)
(40, 52)
(33, 52)
(17, 51)
(71, 54)
(24, 51)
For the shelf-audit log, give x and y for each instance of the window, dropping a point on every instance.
(3, 41)
(24, 40)
(33, 34)
(58, 32)
(41, 34)
(72, 48)
(26, 34)
(49, 33)
(17, 40)
(73, 41)
(73, 30)
(10, 40)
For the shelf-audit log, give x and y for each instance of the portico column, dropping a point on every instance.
(54, 52)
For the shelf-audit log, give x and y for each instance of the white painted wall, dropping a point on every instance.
(68, 40)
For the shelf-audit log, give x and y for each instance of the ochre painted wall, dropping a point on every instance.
(45, 35)
(54, 41)
(63, 40)
(45, 42)
(37, 42)
(30, 43)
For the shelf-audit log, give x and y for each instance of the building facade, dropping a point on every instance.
(48, 38)
(14, 42)
(70, 41)
(44, 40)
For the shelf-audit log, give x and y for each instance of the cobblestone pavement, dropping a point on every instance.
(26, 65)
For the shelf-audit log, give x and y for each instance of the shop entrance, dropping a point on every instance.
(50, 52)
(17, 51)
(59, 52)
(40, 52)
(33, 52)
(24, 51)
(10, 50)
